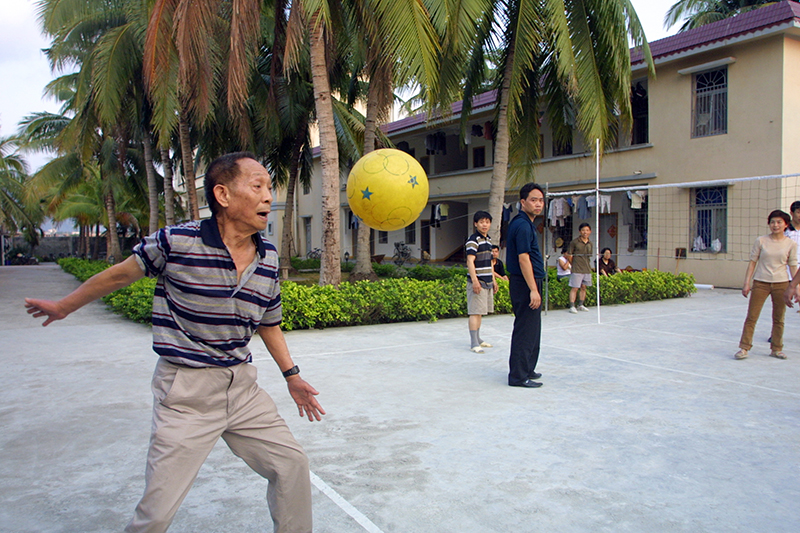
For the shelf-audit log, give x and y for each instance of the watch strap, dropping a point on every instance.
(292, 371)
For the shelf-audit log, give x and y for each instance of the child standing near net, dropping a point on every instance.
(767, 275)
(481, 284)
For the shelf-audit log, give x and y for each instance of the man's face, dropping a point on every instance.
(483, 226)
(533, 205)
(796, 218)
(495, 252)
(249, 196)
(585, 232)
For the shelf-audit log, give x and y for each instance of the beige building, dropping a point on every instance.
(724, 105)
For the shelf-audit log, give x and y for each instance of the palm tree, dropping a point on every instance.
(14, 213)
(696, 13)
(569, 62)
(403, 32)
(119, 92)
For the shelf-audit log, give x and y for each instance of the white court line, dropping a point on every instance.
(701, 337)
(665, 369)
(369, 349)
(344, 505)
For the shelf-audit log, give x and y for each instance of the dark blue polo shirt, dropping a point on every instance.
(522, 239)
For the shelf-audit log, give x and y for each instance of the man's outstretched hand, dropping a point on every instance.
(39, 308)
(303, 394)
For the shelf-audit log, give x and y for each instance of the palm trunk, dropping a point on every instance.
(114, 252)
(169, 192)
(188, 165)
(152, 183)
(363, 268)
(81, 237)
(497, 189)
(287, 236)
(96, 243)
(330, 270)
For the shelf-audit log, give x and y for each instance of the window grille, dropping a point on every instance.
(710, 103)
(638, 232)
(709, 219)
(383, 237)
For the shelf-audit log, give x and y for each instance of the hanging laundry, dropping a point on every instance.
(582, 209)
(444, 210)
(558, 211)
(605, 203)
(507, 212)
(698, 245)
(637, 199)
(487, 131)
(434, 217)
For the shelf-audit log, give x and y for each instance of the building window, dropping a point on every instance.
(564, 148)
(411, 233)
(564, 233)
(639, 110)
(383, 237)
(638, 231)
(478, 157)
(709, 219)
(269, 228)
(710, 114)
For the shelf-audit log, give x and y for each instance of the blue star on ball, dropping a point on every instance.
(413, 181)
(366, 194)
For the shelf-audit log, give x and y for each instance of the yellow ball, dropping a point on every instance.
(387, 189)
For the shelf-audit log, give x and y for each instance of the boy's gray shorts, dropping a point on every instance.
(480, 304)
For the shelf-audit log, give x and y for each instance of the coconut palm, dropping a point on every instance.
(14, 213)
(569, 58)
(696, 13)
(402, 33)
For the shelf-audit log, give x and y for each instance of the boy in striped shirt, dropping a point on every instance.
(217, 285)
(481, 285)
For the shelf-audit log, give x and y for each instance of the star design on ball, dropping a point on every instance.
(413, 181)
(366, 194)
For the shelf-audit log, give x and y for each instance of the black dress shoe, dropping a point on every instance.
(535, 375)
(527, 383)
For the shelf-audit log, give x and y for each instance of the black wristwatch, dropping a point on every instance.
(292, 371)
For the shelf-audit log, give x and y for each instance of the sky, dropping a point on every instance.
(26, 70)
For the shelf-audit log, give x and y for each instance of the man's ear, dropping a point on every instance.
(222, 194)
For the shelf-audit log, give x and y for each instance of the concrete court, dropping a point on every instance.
(644, 424)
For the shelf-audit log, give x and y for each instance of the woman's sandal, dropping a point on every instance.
(779, 355)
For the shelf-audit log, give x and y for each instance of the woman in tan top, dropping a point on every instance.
(769, 258)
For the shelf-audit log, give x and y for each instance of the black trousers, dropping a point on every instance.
(527, 333)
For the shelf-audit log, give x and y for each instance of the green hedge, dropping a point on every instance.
(399, 299)
(134, 301)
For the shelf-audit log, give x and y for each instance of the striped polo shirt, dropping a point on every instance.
(481, 247)
(201, 315)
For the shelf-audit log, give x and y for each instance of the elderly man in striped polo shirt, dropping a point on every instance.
(217, 285)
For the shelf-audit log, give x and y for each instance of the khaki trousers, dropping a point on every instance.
(192, 409)
(758, 295)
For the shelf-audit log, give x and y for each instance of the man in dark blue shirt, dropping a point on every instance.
(526, 273)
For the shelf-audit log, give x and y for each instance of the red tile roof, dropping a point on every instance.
(752, 21)
(482, 100)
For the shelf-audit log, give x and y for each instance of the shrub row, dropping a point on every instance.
(434, 293)
(134, 301)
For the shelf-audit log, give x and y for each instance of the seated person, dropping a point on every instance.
(606, 266)
(498, 268)
(564, 267)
